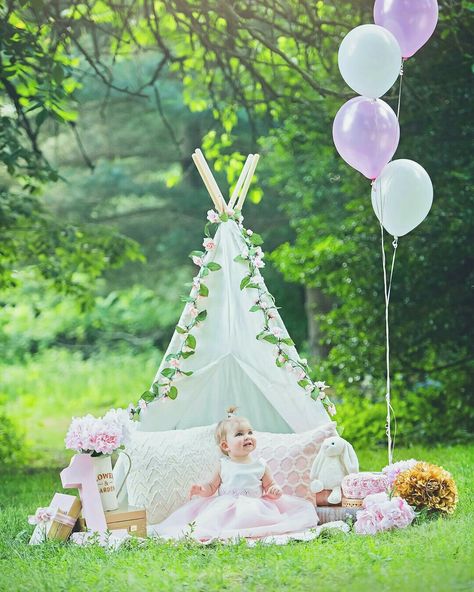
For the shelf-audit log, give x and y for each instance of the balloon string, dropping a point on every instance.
(387, 291)
(400, 92)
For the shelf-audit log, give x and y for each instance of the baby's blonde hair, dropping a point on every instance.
(224, 425)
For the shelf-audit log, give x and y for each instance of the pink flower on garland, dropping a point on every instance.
(193, 311)
(198, 261)
(142, 404)
(258, 263)
(213, 216)
(331, 409)
(209, 244)
(175, 363)
(276, 331)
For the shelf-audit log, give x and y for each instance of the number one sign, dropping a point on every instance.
(80, 473)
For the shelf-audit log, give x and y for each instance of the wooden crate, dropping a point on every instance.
(129, 518)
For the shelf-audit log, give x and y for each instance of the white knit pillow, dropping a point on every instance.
(164, 465)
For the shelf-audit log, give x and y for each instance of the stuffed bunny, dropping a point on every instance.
(335, 460)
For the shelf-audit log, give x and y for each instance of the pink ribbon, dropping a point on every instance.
(51, 514)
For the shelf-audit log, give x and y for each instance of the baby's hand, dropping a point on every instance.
(197, 490)
(274, 492)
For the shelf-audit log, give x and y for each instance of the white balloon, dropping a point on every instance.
(402, 196)
(369, 60)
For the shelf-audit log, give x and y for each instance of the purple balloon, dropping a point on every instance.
(366, 134)
(412, 22)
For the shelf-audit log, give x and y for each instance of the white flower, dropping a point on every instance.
(271, 315)
(142, 404)
(175, 363)
(229, 211)
(198, 261)
(249, 232)
(309, 388)
(321, 385)
(301, 375)
(258, 263)
(281, 359)
(264, 305)
(277, 331)
(187, 349)
(304, 361)
(331, 410)
(212, 216)
(209, 244)
(245, 253)
(259, 253)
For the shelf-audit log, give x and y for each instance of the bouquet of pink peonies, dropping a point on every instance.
(100, 435)
(381, 512)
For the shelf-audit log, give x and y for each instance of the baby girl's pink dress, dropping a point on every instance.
(239, 509)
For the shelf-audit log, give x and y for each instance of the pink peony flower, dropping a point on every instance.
(366, 523)
(209, 244)
(175, 363)
(198, 261)
(382, 513)
(392, 471)
(213, 216)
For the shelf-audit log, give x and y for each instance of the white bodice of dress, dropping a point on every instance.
(241, 478)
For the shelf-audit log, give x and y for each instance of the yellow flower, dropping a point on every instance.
(428, 486)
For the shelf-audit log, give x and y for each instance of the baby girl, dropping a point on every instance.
(249, 502)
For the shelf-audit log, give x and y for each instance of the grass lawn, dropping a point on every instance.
(433, 556)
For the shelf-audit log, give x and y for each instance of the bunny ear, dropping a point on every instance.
(350, 459)
(317, 464)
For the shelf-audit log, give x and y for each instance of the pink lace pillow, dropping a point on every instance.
(290, 457)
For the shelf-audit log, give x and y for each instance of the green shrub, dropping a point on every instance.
(12, 445)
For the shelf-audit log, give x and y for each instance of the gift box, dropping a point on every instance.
(360, 485)
(128, 518)
(59, 519)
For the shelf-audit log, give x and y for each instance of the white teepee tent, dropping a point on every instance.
(231, 346)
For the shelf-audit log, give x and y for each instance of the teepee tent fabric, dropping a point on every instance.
(230, 365)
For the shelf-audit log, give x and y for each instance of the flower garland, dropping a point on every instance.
(253, 256)
(163, 387)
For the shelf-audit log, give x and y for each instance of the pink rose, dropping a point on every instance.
(212, 216)
(209, 244)
(198, 261)
(41, 515)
